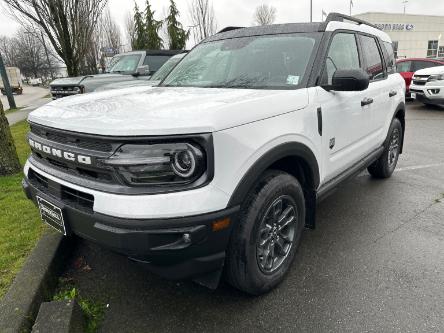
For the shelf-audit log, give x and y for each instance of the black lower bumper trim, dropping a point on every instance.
(176, 248)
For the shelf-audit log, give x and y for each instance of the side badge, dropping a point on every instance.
(332, 143)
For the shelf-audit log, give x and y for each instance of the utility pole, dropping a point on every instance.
(311, 10)
(351, 5)
(6, 84)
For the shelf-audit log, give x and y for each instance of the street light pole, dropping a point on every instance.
(311, 10)
(6, 84)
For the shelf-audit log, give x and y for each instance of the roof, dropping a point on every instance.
(273, 29)
(333, 22)
(164, 52)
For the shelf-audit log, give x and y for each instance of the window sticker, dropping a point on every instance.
(293, 80)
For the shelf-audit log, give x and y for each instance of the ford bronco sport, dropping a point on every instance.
(219, 168)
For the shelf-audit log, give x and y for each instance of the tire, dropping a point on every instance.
(386, 164)
(248, 265)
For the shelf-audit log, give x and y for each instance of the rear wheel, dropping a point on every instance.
(386, 164)
(264, 242)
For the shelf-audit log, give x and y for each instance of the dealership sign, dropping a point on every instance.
(395, 26)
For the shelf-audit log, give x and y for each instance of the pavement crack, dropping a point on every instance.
(414, 217)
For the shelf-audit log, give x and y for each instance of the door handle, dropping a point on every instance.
(393, 93)
(366, 101)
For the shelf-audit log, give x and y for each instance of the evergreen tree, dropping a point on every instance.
(152, 27)
(140, 36)
(177, 35)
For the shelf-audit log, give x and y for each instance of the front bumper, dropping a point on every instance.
(159, 243)
(428, 94)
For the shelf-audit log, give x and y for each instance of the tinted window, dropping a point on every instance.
(404, 66)
(417, 65)
(256, 62)
(372, 57)
(155, 61)
(390, 58)
(343, 54)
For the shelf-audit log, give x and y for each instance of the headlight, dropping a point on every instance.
(159, 164)
(438, 77)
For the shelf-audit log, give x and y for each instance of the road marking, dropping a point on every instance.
(420, 167)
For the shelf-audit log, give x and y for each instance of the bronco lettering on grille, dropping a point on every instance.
(69, 156)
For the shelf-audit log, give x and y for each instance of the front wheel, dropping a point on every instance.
(264, 242)
(386, 164)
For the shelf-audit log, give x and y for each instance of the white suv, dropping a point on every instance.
(428, 86)
(221, 165)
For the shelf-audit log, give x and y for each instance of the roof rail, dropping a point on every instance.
(228, 29)
(338, 17)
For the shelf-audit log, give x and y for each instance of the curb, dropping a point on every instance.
(34, 284)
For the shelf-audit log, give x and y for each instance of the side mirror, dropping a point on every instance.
(142, 70)
(349, 80)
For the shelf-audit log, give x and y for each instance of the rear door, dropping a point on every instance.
(346, 124)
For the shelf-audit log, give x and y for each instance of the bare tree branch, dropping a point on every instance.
(68, 24)
(203, 19)
(264, 15)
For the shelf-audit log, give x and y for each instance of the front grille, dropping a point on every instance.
(71, 139)
(420, 80)
(67, 195)
(63, 91)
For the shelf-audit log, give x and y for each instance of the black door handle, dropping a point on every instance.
(392, 93)
(366, 101)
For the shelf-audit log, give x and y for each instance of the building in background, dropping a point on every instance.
(413, 36)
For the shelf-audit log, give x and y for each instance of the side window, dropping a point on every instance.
(390, 58)
(343, 54)
(404, 66)
(372, 56)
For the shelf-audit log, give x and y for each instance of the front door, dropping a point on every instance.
(346, 123)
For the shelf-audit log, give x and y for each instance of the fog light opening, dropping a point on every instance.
(434, 91)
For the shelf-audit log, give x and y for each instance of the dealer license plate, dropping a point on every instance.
(51, 215)
(413, 95)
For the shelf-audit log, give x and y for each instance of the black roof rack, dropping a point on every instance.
(338, 17)
(229, 29)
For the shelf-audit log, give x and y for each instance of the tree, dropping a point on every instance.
(106, 35)
(140, 37)
(68, 24)
(153, 26)
(9, 162)
(146, 29)
(26, 51)
(177, 35)
(130, 29)
(203, 19)
(264, 15)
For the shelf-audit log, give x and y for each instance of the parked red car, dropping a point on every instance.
(407, 67)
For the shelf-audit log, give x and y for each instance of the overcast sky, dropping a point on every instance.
(240, 12)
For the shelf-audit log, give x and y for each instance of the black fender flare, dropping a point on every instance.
(289, 149)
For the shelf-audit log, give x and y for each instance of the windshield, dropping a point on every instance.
(257, 62)
(165, 69)
(125, 64)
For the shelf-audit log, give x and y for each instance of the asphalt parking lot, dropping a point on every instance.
(374, 263)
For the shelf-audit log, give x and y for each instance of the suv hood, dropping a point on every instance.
(166, 110)
(431, 71)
